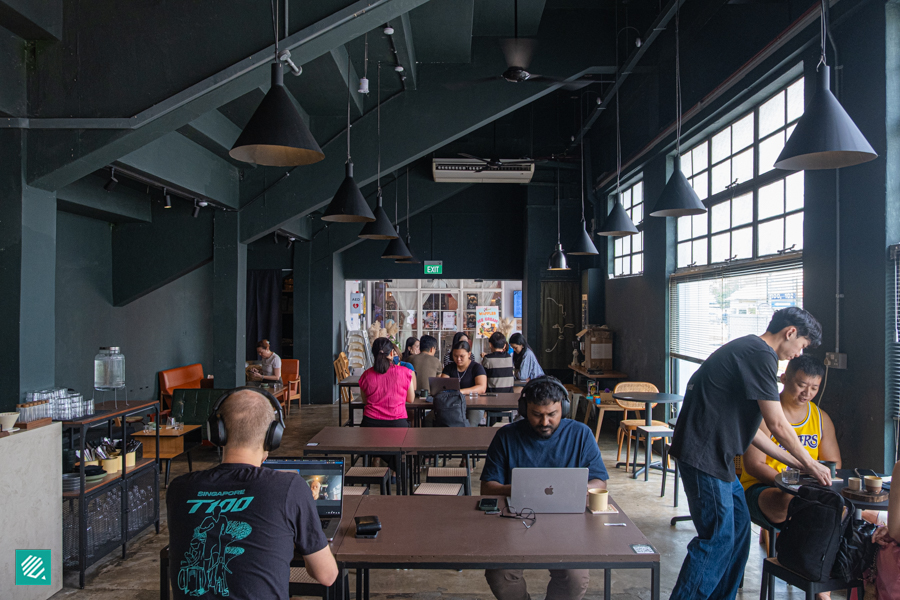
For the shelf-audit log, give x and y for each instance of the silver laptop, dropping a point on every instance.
(549, 490)
(325, 478)
(439, 384)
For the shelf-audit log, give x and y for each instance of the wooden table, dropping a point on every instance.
(837, 484)
(349, 382)
(171, 445)
(649, 399)
(498, 402)
(365, 441)
(579, 370)
(433, 441)
(447, 532)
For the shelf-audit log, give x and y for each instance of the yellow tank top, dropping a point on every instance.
(810, 433)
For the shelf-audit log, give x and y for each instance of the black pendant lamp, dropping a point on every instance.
(396, 249)
(412, 259)
(276, 136)
(618, 223)
(558, 260)
(583, 246)
(678, 198)
(348, 204)
(380, 228)
(825, 137)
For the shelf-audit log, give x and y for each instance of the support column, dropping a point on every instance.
(27, 278)
(302, 346)
(229, 301)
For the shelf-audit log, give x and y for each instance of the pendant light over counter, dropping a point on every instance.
(276, 135)
(678, 198)
(348, 204)
(396, 249)
(413, 259)
(380, 228)
(825, 136)
(558, 260)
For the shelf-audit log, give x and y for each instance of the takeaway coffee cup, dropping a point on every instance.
(598, 499)
(873, 484)
(854, 483)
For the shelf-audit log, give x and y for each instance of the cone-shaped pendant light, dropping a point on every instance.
(412, 259)
(558, 260)
(380, 228)
(396, 249)
(583, 246)
(678, 198)
(618, 223)
(348, 204)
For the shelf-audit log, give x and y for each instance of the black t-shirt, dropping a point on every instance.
(720, 414)
(233, 529)
(467, 378)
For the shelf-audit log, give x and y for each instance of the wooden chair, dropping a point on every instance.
(628, 427)
(290, 377)
(342, 371)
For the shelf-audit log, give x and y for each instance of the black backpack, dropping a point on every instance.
(810, 538)
(449, 409)
(856, 552)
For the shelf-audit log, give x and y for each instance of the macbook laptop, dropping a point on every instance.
(549, 490)
(439, 384)
(325, 478)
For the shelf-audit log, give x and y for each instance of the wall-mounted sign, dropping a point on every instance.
(517, 304)
(356, 303)
(487, 320)
(434, 267)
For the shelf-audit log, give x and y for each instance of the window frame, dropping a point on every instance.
(619, 241)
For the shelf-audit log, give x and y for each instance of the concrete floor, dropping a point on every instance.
(137, 576)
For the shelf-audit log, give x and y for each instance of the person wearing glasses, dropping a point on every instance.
(543, 439)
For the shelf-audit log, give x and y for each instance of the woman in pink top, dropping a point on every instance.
(386, 388)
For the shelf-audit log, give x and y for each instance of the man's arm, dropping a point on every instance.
(754, 460)
(494, 488)
(828, 445)
(778, 424)
(321, 566)
(596, 483)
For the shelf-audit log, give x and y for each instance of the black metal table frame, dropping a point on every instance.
(648, 421)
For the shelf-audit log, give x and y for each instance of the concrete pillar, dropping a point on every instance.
(229, 301)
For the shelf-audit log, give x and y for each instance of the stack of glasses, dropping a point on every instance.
(65, 404)
(33, 411)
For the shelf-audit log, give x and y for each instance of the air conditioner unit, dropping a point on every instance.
(468, 170)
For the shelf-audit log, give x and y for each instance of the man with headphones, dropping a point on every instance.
(233, 529)
(541, 439)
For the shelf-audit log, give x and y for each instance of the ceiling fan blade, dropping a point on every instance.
(464, 155)
(518, 162)
(518, 51)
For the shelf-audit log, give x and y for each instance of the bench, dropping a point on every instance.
(187, 377)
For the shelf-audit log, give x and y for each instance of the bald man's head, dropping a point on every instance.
(247, 417)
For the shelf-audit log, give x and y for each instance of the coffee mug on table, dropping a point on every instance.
(598, 499)
(873, 484)
(854, 483)
(831, 465)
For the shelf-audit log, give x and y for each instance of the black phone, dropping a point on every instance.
(488, 504)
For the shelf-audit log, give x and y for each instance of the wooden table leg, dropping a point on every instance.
(599, 423)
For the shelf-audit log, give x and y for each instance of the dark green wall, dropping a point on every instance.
(169, 327)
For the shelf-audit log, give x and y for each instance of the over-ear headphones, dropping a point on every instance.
(218, 435)
(529, 389)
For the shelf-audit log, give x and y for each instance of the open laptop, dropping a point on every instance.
(439, 384)
(549, 490)
(325, 478)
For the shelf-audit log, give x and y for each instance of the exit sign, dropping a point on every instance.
(434, 267)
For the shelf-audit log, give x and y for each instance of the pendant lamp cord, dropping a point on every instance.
(618, 137)
(366, 59)
(407, 202)
(348, 107)
(378, 114)
(558, 207)
(275, 24)
(823, 35)
(677, 79)
(396, 200)
(582, 170)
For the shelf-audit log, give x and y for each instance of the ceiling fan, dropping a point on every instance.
(494, 162)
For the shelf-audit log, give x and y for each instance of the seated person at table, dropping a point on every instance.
(459, 336)
(385, 388)
(768, 504)
(524, 360)
(412, 348)
(233, 529)
(269, 367)
(471, 376)
(425, 362)
(498, 365)
(543, 439)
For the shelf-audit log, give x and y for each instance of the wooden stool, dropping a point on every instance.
(439, 489)
(451, 475)
(772, 568)
(356, 491)
(380, 476)
(656, 431)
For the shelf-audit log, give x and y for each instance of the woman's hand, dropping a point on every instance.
(881, 537)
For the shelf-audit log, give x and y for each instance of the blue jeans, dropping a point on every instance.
(715, 562)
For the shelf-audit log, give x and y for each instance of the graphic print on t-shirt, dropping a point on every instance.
(214, 545)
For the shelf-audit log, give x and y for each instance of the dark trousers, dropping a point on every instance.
(370, 422)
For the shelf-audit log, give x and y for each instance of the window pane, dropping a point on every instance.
(700, 251)
(795, 101)
(742, 133)
(721, 247)
(742, 210)
(618, 266)
(742, 243)
(701, 157)
(637, 213)
(769, 149)
(721, 145)
(637, 263)
(626, 244)
(701, 224)
(793, 231)
(684, 228)
(742, 166)
(617, 247)
(700, 185)
(794, 195)
(721, 217)
(721, 177)
(684, 254)
(626, 198)
(771, 115)
(626, 265)
(771, 200)
(637, 192)
(637, 242)
(686, 164)
(771, 237)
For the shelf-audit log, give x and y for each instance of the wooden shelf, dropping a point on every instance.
(90, 487)
(104, 411)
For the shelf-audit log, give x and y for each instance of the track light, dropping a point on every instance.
(168, 198)
(399, 68)
(290, 241)
(388, 30)
(111, 184)
(196, 212)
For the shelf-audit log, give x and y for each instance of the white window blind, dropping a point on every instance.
(711, 308)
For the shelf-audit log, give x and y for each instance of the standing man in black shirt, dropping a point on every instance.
(727, 398)
(233, 528)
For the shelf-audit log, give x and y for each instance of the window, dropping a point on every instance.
(628, 251)
(754, 210)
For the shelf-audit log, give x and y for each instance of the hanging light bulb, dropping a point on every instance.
(583, 246)
(825, 136)
(396, 249)
(558, 260)
(380, 228)
(618, 223)
(412, 259)
(363, 82)
(678, 198)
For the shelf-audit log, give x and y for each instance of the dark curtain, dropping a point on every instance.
(263, 310)
(559, 323)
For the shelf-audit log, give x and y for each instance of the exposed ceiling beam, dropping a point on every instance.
(446, 25)
(406, 52)
(32, 20)
(68, 149)
(340, 56)
(88, 198)
(215, 132)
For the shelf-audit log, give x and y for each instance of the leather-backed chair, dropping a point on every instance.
(186, 377)
(290, 376)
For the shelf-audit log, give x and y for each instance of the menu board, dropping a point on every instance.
(487, 321)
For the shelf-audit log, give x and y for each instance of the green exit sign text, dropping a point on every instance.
(434, 267)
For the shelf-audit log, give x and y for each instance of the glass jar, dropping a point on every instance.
(109, 369)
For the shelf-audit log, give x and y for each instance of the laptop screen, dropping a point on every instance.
(324, 476)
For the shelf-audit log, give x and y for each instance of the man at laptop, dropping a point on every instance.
(233, 528)
(425, 362)
(543, 439)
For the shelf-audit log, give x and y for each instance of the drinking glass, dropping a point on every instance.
(790, 476)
